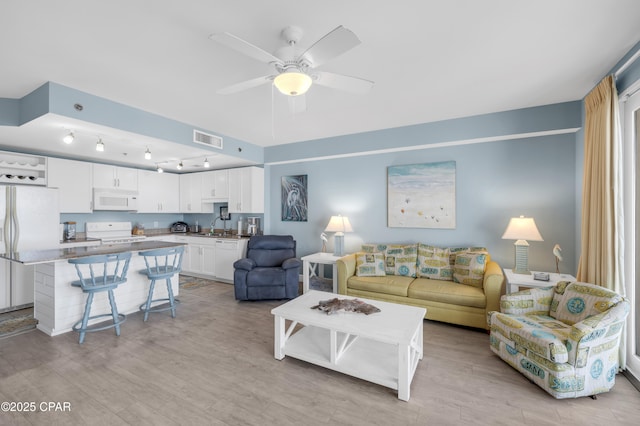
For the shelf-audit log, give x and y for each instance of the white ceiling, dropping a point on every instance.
(430, 60)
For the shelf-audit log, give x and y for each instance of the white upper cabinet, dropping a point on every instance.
(73, 180)
(114, 177)
(215, 186)
(158, 192)
(246, 190)
(191, 194)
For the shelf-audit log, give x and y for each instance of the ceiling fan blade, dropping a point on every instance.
(331, 45)
(244, 47)
(356, 85)
(297, 104)
(244, 85)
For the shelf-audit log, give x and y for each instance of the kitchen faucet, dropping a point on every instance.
(213, 226)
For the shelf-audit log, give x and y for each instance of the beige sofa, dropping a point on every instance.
(445, 300)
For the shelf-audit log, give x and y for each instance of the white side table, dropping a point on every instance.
(515, 281)
(309, 264)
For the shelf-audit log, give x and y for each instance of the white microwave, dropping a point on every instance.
(110, 199)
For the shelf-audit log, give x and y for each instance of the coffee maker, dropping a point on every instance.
(253, 225)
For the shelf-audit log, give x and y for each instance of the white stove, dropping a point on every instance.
(112, 232)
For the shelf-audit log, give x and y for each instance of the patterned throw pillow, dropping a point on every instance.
(433, 262)
(370, 264)
(469, 269)
(454, 251)
(401, 259)
(574, 302)
(374, 248)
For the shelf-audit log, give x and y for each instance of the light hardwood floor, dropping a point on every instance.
(214, 365)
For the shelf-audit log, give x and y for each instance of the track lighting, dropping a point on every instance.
(179, 166)
(100, 145)
(147, 154)
(69, 138)
(206, 163)
(159, 169)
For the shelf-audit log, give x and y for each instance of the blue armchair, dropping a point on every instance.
(270, 270)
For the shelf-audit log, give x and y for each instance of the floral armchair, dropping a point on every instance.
(563, 338)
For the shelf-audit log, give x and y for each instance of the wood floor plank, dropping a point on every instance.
(214, 365)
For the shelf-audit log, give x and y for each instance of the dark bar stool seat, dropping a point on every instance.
(161, 264)
(113, 269)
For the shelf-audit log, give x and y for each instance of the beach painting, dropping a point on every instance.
(294, 198)
(422, 195)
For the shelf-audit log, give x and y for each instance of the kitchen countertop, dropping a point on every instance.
(32, 257)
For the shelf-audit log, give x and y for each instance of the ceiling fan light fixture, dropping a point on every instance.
(292, 83)
(68, 138)
(100, 146)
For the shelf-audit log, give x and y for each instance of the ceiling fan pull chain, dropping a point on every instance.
(273, 120)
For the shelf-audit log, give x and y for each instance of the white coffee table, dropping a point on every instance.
(383, 348)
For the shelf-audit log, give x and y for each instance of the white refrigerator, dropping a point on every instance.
(29, 220)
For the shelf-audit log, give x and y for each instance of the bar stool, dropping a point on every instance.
(161, 263)
(114, 273)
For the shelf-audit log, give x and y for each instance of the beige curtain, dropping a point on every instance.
(602, 233)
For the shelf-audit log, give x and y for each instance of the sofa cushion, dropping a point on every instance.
(433, 262)
(573, 302)
(390, 284)
(540, 334)
(469, 269)
(447, 292)
(370, 264)
(401, 259)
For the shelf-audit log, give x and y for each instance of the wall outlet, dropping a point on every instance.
(155, 224)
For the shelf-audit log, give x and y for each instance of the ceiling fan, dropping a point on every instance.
(295, 71)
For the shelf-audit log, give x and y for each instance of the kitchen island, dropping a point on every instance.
(58, 305)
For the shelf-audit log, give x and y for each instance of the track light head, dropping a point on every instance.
(68, 138)
(100, 145)
(147, 154)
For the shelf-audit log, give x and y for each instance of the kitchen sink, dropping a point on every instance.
(216, 235)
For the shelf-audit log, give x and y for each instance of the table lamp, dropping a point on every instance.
(522, 229)
(339, 225)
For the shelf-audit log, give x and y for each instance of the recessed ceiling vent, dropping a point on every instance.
(202, 138)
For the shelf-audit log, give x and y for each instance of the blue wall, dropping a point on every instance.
(495, 180)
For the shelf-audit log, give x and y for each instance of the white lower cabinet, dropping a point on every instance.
(199, 255)
(212, 257)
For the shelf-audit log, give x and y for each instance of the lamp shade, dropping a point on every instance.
(522, 228)
(339, 224)
(292, 83)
